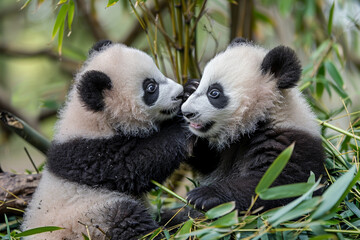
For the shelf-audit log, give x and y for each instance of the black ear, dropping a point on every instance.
(99, 45)
(284, 64)
(91, 87)
(238, 41)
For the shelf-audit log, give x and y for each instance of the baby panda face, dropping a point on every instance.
(124, 87)
(238, 88)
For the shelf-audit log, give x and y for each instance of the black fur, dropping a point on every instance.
(190, 87)
(284, 64)
(241, 166)
(150, 97)
(121, 163)
(91, 87)
(128, 219)
(97, 47)
(204, 159)
(238, 41)
(221, 101)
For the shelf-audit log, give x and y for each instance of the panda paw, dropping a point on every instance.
(189, 87)
(204, 198)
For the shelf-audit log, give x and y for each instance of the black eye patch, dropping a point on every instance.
(151, 91)
(216, 96)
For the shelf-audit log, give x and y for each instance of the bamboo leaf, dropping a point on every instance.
(285, 191)
(300, 210)
(85, 237)
(71, 13)
(184, 230)
(7, 226)
(275, 169)
(353, 208)
(213, 235)
(330, 67)
(334, 193)
(330, 22)
(156, 233)
(227, 220)
(220, 210)
(279, 213)
(62, 2)
(37, 231)
(25, 4)
(311, 179)
(111, 3)
(61, 37)
(60, 20)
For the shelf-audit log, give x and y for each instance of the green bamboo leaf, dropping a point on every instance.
(167, 234)
(330, 22)
(37, 231)
(353, 208)
(324, 237)
(25, 4)
(61, 37)
(7, 227)
(227, 220)
(282, 211)
(111, 3)
(303, 208)
(70, 15)
(285, 191)
(184, 230)
(275, 169)
(60, 20)
(334, 193)
(85, 237)
(156, 233)
(213, 235)
(62, 2)
(311, 179)
(220, 210)
(330, 67)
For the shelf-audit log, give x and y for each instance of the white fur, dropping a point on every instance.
(252, 97)
(61, 203)
(127, 68)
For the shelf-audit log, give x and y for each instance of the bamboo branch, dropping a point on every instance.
(25, 131)
(328, 125)
(92, 19)
(175, 35)
(11, 52)
(167, 42)
(180, 46)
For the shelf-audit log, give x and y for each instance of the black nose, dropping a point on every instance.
(178, 97)
(190, 115)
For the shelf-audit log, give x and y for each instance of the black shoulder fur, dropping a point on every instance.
(241, 166)
(121, 163)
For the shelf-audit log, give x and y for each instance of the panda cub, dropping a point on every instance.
(116, 132)
(247, 109)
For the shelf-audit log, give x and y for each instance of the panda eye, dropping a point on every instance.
(215, 93)
(151, 87)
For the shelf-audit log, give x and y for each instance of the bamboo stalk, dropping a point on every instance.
(173, 23)
(22, 129)
(328, 125)
(167, 42)
(180, 46)
(144, 27)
